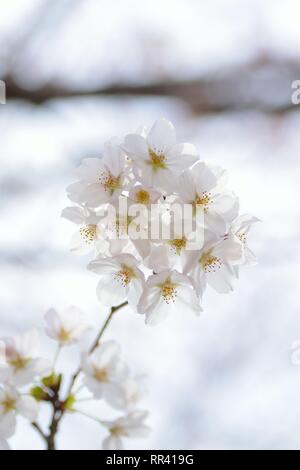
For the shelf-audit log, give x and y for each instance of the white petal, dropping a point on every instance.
(111, 292)
(112, 443)
(28, 407)
(222, 280)
(162, 135)
(204, 177)
(136, 147)
(74, 214)
(4, 444)
(8, 424)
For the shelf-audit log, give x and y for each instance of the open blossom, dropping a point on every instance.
(11, 404)
(20, 355)
(166, 292)
(101, 180)
(156, 156)
(203, 187)
(215, 265)
(90, 234)
(130, 426)
(66, 327)
(120, 279)
(105, 371)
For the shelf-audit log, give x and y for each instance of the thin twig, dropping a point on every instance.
(39, 430)
(99, 336)
(57, 404)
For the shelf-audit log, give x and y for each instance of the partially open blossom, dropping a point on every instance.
(22, 362)
(104, 371)
(130, 426)
(120, 279)
(240, 228)
(166, 292)
(66, 327)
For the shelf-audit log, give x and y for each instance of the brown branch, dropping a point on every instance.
(58, 406)
(99, 336)
(254, 86)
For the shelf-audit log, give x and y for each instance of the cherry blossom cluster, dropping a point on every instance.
(157, 274)
(27, 381)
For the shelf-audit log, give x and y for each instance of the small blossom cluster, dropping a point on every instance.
(27, 380)
(157, 274)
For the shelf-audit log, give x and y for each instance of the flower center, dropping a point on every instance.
(209, 262)
(117, 431)
(109, 182)
(19, 363)
(88, 233)
(142, 196)
(63, 335)
(243, 237)
(178, 244)
(204, 200)
(8, 404)
(157, 160)
(101, 374)
(168, 291)
(125, 275)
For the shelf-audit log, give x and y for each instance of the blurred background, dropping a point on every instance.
(79, 71)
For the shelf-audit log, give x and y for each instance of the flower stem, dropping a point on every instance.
(57, 404)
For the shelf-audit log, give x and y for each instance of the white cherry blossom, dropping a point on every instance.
(90, 234)
(240, 228)
(105, 371)
(101, 180)
(215, 265)
(156, 156)
(166, 292)
(13, 403)
(66, 327)
(120, 279)
(141, 194)
(204, 187)
(130, 426)
(20, 355)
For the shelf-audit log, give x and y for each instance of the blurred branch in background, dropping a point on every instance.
(263, 85)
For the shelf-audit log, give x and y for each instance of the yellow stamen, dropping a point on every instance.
(88, 233)
(243, 237)
(101, 374)
(142, 197)
(109, 182)
(168, 291)
(178, 244)
(64, 335)
(8, 404)
(203, 201)
(209, 262)
(117, 431)
(125, 275)
(19, 363)
(157, 160)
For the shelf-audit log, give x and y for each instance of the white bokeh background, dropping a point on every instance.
(224, 381)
